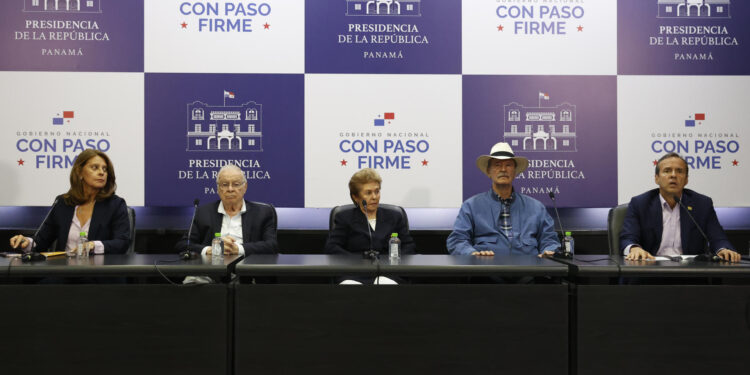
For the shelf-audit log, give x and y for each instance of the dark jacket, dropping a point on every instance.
(109, 224)
(258, 228)
(643, 224)
(350, 235)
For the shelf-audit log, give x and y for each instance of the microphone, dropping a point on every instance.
(706, 256)
(187, 254)
(369, 254)
(565, 254)
(34, 255)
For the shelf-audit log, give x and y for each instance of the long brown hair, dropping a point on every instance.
(75, 195)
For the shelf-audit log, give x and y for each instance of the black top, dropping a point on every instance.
(350, 235)
(109, 224)
(120, 265)
(409, 265)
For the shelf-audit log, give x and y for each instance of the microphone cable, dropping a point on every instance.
(377, 270)
(156, 267)
(10, 263)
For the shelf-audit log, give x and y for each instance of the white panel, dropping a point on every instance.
(201, 45)
(107, 114)
(539, 37)
(341, 110)
(652, 121)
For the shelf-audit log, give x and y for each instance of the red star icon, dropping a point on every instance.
(580, 28)
(20, 161)
(343, 162)
(266, 26)
(656, 162)
(184, 25)
(424, 162)
(500, 28)
(735, 163)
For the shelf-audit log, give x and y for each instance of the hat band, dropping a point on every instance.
(503, 153)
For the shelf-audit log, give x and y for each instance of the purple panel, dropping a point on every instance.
(571, 143)
(360, 36)
(674, 37)
(192, 130)
(82, 35)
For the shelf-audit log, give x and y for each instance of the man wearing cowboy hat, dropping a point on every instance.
(502, 220)
(657, 224)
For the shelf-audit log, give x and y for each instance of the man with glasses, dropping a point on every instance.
(246, 227)
(656, 223)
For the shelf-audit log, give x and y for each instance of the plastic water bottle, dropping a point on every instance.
(82, 252)
(217, 247)
(394, 246)
(569, 243)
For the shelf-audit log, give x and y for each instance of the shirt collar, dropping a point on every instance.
(504, 201)
(222, 211)
(664, 203)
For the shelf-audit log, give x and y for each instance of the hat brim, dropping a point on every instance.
(521, 163)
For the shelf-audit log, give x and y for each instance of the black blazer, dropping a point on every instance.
(258, 228)
(109, 224)
(350, 235)
(643, 223)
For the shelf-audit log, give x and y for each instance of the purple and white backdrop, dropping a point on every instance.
(173, 89)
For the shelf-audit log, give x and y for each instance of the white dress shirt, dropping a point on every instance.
(231, 226)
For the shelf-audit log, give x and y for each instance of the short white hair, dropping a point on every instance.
(230, 167)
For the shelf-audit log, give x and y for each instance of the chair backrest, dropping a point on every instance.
(131, 219)
(381, 206)
(614, 224)
(273, 209)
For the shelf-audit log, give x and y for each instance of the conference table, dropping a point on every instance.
(285, 313)
(423, 325)
(660, 317)
(106, 315)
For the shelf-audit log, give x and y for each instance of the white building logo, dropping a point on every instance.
(63, 6)
(694, 8)
(540, 128)
(225, 127)
(384, 8)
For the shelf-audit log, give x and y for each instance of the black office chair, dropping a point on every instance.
(131, 220)
(615, 218)
(273, 209)
(382, 206)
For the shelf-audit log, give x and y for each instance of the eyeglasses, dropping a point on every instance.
(234, 185)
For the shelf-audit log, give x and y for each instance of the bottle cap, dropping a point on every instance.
(394, 234)
(568, 233)
(82, 234)
(217, 234)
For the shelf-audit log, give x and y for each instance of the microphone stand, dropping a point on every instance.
(34, 255)
(187, 254)
(707, 256)
(564, 254)
(369, 254)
